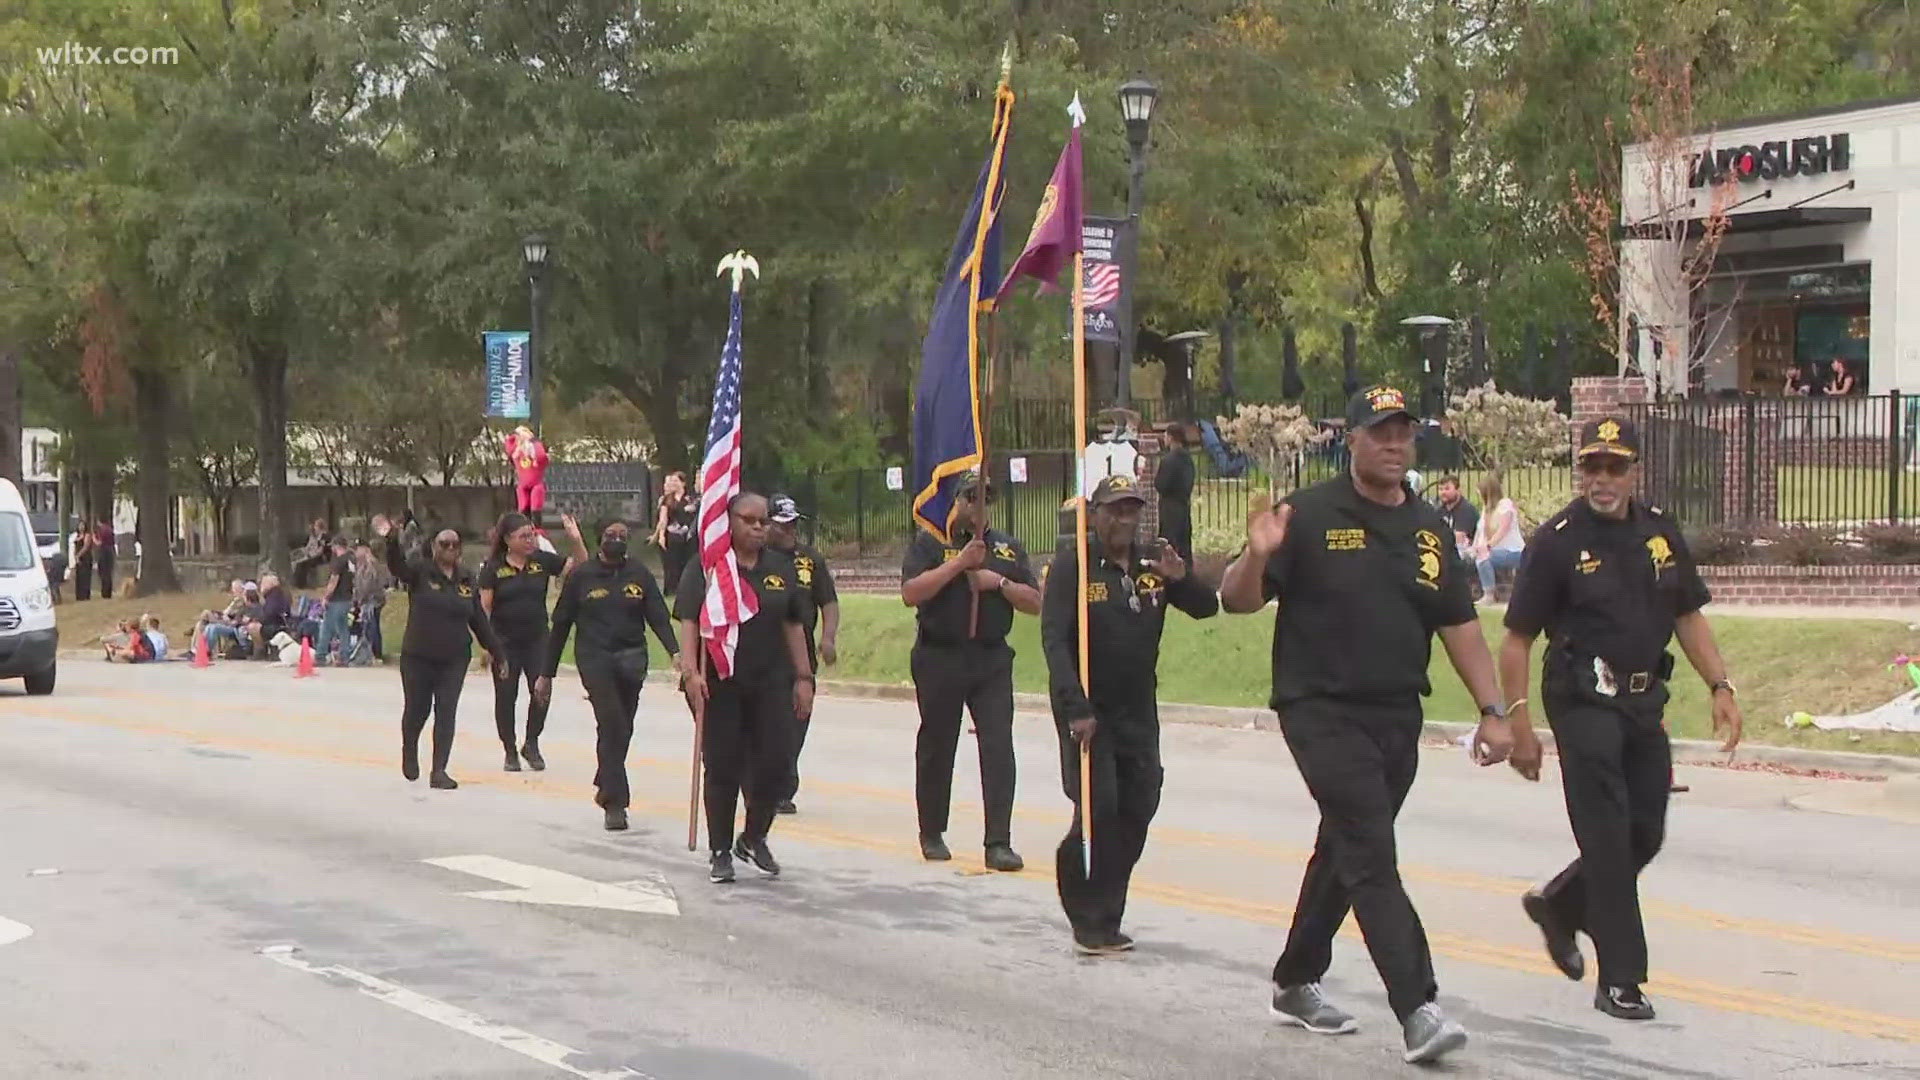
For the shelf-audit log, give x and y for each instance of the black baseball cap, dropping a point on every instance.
(1116, 488)
(1609, 435)
(783, 510)
(1374, 405)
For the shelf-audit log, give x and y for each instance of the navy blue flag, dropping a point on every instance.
(946, 409)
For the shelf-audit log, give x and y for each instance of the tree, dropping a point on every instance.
(1499, 431)
(1653, 255)
(215, 453)
(1273, 435)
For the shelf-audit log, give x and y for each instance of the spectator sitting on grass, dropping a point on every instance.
(1498, 545)
(131, 645)
(237, 590)
(276, 614)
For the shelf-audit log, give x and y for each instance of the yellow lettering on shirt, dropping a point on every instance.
(597, 594)
(507, 571)
(948, 554)
(1346, 539)
(1096, 592)
(434, 585)
(1587, 564)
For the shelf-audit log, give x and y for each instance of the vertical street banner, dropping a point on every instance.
(1100, 240)
(509, 385)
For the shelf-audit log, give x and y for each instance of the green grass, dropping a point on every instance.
(1835, 666)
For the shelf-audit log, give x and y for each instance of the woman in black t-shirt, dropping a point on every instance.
(513, 593)
(443, 620)
(673, 527)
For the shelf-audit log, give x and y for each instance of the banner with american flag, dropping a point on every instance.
(1100, 240)
(730, 601)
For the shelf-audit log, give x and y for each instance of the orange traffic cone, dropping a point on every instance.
(305, 670)
(201, 656)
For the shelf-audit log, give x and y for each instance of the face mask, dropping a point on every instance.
(613, 549)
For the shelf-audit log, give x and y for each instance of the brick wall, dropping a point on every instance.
(1820, 586)
(1854, 452)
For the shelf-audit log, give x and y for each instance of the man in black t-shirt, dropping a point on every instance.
(338, 595)
(959, 663)
(1364, 575)
(1610, 582)
(811, 572)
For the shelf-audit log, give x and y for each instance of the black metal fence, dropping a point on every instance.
(1796, 460)
(854, 514)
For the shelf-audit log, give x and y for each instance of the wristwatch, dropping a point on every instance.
(1722, 684)
(1494, 711)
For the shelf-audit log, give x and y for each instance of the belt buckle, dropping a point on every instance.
(1638, 682)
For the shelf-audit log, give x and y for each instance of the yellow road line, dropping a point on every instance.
(1451, 946)
(1511, 888)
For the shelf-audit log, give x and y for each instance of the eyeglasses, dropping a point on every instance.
(1612, 466)
(446, 543)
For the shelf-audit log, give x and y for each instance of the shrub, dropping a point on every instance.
(1723, 545)
(1798, 545)
(1891, 543)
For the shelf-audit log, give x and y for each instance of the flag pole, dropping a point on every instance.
(1080, 539)
(699, 731)
(983, 420)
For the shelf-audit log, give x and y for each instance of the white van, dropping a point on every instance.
(29, 642)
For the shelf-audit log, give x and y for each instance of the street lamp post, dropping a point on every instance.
(1137, 97)
(1430, 344)
(533, 252)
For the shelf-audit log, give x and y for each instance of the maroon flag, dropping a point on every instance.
(1055, 238)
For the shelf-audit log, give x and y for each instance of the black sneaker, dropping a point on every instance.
(531, 752)
(1562, 949)
(759, 855)
(1001, 857)
(1120, 942)
(513, 761)
(787, 807)
(1094, 943)
(443, 782)
(720, 870)
(409, 761)
(934, 849)
(1623, 1003)
(616, 819)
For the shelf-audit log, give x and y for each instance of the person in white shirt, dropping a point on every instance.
(1497, 543)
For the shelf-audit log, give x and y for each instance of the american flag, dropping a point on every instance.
(730, 601)
(1103, 284)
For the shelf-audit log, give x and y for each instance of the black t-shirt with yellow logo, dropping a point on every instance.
(1607, 588)
(443, 610)
(944, 619)
(1362, 589)
(612, 607)
(811, 571)
(520, 593)
(762, 657)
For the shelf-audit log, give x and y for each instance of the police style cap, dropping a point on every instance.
(1116, 488)
(784, 510)
(972, 483)
(1609, 435)
(1376, 405)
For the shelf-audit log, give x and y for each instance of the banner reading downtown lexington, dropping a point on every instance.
(509, 389)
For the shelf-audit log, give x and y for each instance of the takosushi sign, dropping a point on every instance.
(1814, 155)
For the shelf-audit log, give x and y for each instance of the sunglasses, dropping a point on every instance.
(446, 543)
(1611, 466)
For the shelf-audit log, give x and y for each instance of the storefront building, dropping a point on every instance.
(1818, 223)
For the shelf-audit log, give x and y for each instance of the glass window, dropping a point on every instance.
(16, 543)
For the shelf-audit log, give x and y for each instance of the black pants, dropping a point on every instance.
(979, 680)
(1615, 767)
(748, 740)
(1358, 762)
(1126, 778)
(431, 686)
(673, 560)
(525, 656)
(613, 685)
(83, 579)
(1176, 528)
(103, 569)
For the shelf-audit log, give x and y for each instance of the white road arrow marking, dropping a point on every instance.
(538, 885)
(11, 931)
(524, 1043)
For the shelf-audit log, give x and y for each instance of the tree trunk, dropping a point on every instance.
(11, 466)
(153, 488)
(267, 365)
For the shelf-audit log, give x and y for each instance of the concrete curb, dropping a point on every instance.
(1685, 751)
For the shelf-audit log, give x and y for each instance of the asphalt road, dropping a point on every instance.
(208, 874)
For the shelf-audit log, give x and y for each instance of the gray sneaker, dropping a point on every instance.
(1304, 1006)
(1430, 1035)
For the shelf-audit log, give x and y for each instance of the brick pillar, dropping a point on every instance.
(1750, 429)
